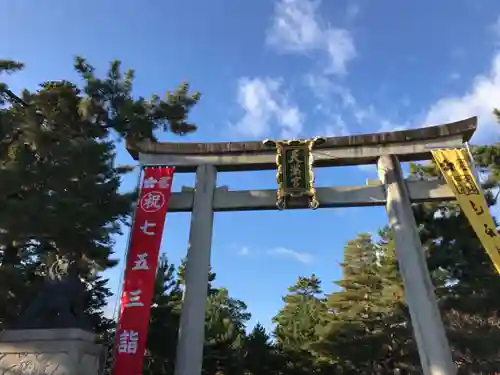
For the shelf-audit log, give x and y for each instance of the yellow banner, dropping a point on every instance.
(455, 168)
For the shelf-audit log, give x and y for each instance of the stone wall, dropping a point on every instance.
(49, 352)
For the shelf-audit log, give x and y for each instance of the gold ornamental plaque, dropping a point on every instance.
(295, 175)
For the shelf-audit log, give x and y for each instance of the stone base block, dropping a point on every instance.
(49, 352)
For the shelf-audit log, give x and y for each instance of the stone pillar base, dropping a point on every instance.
(49, 352)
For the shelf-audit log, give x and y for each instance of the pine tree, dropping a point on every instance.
(225, 321)
(59, 185)
(297, 324)
(297, 320)
(367, 328)
(261, 356)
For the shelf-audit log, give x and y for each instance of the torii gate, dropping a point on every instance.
(384, 149)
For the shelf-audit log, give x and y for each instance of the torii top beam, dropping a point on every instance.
(408, 145)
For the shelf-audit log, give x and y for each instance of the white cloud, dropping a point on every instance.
(244, 251)
(334, 126)
(297, 27)
(479, 100)
(264, 104)
(323, 88)
(305, 258)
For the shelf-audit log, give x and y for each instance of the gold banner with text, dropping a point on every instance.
(458, 174)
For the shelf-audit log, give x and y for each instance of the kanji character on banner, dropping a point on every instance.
(128, 341)
(146, 228)
(152, 201)
(141, 263)
(134, 299)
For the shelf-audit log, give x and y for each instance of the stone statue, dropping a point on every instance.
(60, 303)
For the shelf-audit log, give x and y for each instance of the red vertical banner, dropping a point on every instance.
(140, 271)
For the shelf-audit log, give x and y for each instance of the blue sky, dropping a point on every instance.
(271, 69)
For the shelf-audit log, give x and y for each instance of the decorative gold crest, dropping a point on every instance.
(295, 176)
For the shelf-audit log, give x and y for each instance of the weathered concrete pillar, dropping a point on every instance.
(192, 325)
(433, 347)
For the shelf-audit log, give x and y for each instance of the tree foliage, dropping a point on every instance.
(59, 189)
